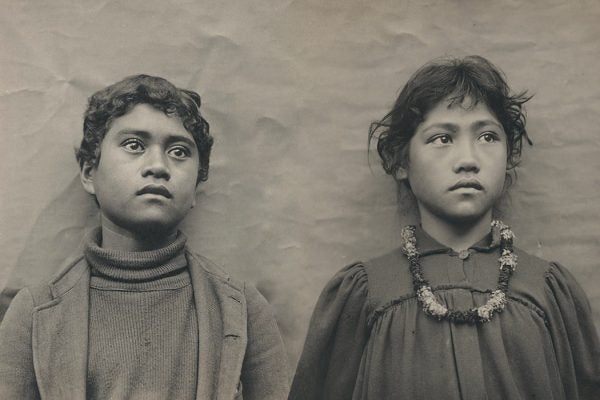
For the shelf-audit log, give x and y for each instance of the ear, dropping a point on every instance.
(87, 177)
(401, 174)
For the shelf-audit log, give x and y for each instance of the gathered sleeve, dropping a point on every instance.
(336, 338)
(575, 338)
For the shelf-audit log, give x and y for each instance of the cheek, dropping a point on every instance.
(498, 172)
(423, 169)
(423, 182)
(110, 179)
(500, 162)
(190, 192)
(188, 183)
(192, 173)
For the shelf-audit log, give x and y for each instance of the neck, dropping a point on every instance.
(456, 235)
(116, 238)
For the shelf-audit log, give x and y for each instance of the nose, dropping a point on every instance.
(156, 164)
(467, 159)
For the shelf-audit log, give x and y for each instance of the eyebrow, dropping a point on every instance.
(171, 137)
(485, 122)
(454, 127)
(447, 126)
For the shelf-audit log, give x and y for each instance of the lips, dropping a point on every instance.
(155, 189)
(467, 183)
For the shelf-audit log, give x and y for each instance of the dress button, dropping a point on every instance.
(463, 254)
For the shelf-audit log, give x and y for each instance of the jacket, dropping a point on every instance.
(44, 338)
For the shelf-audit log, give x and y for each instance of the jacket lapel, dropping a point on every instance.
(60, 336)
(221, 309)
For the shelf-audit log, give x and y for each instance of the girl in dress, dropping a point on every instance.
(457, 311)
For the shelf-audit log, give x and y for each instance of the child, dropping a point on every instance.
(137, 315)
(456, 312)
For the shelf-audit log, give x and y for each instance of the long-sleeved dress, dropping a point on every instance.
(369, 338)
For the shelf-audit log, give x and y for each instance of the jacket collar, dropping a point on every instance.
(60, 332)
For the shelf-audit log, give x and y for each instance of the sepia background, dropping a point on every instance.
(290, 88)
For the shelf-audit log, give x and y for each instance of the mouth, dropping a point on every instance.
(467, 184)
(159, 190)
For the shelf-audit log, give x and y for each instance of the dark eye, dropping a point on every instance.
(489, 137)
(441, 139)
(179, 152)
(133, 146)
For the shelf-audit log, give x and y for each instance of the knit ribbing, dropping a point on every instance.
(134, 266)
(143, 336)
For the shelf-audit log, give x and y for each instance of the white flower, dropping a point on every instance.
(499, 224)
(409, 242)
(495, 303)
(506, 234)
(508, 259)
(430, 304)
(485, 313)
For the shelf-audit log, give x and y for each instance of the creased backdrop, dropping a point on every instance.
(290, 88)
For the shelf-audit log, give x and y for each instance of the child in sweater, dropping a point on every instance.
(137, 315)
(457, 312)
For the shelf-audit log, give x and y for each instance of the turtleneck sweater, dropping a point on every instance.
(143, 329)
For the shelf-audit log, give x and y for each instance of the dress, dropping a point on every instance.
(369, 338)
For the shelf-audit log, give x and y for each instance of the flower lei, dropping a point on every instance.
(429, 303)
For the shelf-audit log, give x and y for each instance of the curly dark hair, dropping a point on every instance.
(472, 77)
(119, 98)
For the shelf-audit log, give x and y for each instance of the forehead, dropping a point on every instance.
(458, 113)
(145, 118)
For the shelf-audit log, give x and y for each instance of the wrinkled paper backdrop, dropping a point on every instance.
(289, 88)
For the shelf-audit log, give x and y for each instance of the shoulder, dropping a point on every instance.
(532, 270)
(212, 270)
(535, 265)
(352, 279)
(368, 271)
(356, 271)
(389, 278)
(561, 284)
(18, 318)
(69, 274)
(386, 266)
(348, 288)
(541, 281)
(208, 270)
(375, 281)
(223, 286)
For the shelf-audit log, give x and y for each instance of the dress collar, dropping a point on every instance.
(428, 245)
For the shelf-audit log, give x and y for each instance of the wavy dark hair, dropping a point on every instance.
(119, 98)
(473, 78)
